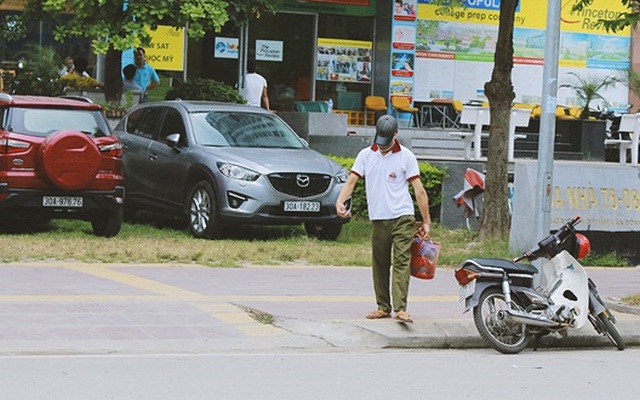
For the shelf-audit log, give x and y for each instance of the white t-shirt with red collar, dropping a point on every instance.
(387, 180)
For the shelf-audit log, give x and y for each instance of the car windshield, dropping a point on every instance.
(242, 129)
(44, 121)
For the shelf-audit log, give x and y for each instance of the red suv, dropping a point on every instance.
(58, 159)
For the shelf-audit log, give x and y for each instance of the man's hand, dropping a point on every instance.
(342, 211)
(425, 230)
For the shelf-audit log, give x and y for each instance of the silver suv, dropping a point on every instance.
(222, 164)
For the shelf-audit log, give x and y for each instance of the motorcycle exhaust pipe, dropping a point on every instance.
(527, 319)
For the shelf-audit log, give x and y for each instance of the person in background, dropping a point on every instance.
(255, 90)
(146, 77)
(129, 73)
(388, 169)
(67, 66)
(79, 78)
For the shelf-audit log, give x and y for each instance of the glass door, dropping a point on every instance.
(289, 67)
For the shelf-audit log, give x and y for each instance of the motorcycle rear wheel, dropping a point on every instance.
(504, 336)
(603, 324)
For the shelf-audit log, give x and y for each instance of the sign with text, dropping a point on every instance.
(226, 47)
(605, 195)
(269, 50)
(166, 51)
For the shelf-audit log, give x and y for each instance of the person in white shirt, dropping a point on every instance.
(389, 168)
(255, 91)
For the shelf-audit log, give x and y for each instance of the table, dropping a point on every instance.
(440, 114)
(480, 116)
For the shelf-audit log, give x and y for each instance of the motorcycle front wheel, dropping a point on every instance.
(504, 336)
(603, 324)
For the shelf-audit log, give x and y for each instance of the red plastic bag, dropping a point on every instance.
(424, 257)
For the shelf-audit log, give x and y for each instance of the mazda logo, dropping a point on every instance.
(303, 180)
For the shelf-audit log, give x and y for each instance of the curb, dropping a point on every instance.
(437, 334)
(618, 306)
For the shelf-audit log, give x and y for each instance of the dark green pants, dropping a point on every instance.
(392, 238)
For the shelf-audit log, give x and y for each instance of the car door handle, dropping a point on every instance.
(153, 157)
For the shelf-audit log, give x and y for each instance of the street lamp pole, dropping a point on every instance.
(547, 121)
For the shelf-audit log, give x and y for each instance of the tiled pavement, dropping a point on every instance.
(70, 307)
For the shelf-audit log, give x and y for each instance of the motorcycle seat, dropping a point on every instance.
(506, 265)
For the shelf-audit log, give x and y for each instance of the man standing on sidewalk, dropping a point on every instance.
(388, 168)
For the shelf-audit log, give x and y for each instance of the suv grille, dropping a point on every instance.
(300, 185)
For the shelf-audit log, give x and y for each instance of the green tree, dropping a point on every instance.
(496, 220)
(117, 25)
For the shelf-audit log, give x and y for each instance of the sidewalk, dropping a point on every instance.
(78, 308)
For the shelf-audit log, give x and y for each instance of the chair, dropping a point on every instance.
(375, 104)
(402, 104)
(457, 107)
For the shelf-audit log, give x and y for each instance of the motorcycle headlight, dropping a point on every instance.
(342, 175)
(237, 172)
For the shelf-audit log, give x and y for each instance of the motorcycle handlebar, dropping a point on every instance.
(555, 239)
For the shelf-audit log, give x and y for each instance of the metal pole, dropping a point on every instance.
(547, 121)
(242, 55)
(185, 52)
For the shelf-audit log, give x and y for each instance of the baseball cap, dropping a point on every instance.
(386, 127)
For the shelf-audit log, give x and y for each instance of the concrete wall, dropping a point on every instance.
(307, 124)
(605, 195)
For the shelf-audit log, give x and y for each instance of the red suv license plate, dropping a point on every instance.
(61, 201)
(302, 206)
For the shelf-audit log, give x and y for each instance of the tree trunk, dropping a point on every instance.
(113, 75)
(496, 220)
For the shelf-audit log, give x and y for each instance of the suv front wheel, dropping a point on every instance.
(202, 211)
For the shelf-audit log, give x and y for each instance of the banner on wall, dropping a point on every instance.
(166, 51)
(403, 54)
(454, 50)
(344, 60)
(470, 34)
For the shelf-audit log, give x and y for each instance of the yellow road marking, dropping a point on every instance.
(219, 307)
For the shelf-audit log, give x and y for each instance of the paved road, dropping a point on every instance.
(78, 308)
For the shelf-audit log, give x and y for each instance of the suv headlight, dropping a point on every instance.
(237, 172)
(342, 175)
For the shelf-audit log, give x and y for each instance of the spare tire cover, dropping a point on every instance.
(69, 159)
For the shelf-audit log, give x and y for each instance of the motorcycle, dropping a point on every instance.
(509, 312)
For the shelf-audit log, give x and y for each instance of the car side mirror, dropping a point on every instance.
(173, 140)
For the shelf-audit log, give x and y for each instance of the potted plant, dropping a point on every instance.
(585, 135)
(588, 89)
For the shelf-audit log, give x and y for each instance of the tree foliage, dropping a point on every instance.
(117, 25)
(623, 20)
(121, 24)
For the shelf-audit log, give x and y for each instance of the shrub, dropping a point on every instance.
(37, 72)
(431, 177)
(205, 89)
